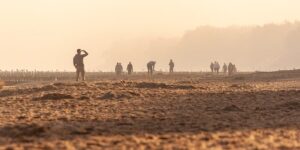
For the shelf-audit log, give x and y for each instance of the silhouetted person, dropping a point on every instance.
(79, 65)
(119, 69)
(234, 70)
(212, 67)
(130, 68)
(116, 68)
(171, 65)
(216, 67)
(150, 67)
(230, 68)
(225, 68)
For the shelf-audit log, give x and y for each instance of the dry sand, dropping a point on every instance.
(183, 111)
(1, 84)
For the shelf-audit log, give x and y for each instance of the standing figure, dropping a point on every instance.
(230, 68)
(217, 67)
(129, 68)
(171, 65)
(119, 68)
(234, 70)
(150, 67)
(212, 67)
(225, 68)
(79, 65)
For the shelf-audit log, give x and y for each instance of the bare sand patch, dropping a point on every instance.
(186, 112)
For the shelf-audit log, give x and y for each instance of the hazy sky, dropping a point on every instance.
(44, 34)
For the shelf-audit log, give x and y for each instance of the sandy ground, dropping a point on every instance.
(183, 111)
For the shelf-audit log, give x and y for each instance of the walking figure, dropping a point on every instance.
(79, 65)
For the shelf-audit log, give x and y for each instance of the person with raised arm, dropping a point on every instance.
(79, 64)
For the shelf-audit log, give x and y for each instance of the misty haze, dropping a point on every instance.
(253, 48)
(268, 47)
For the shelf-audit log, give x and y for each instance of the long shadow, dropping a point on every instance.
(205, 112)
